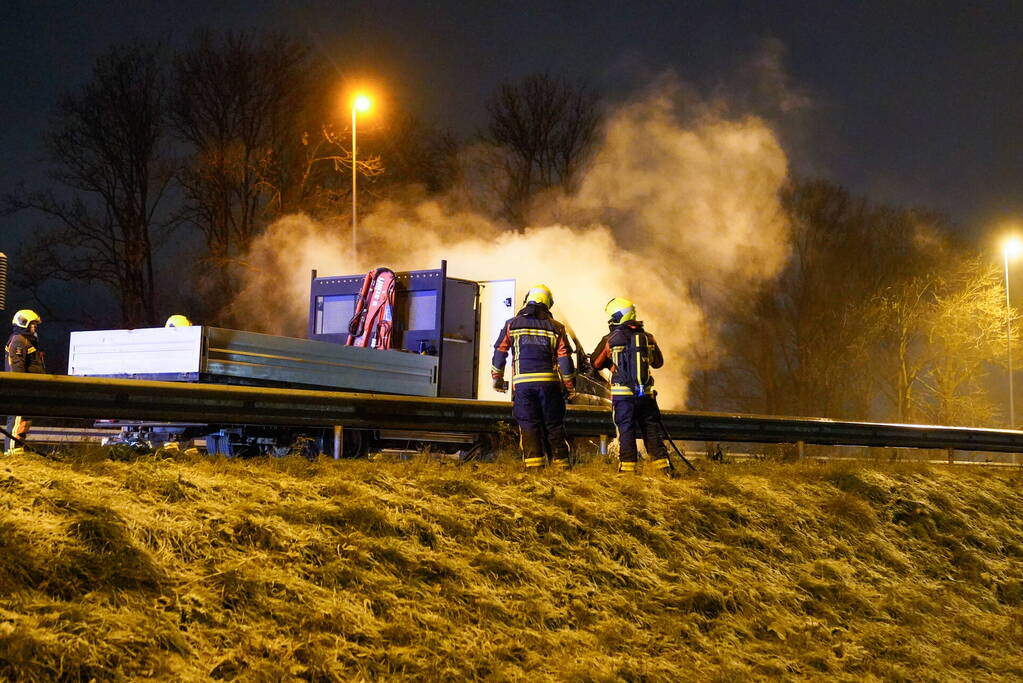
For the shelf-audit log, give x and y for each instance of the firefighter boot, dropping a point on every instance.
(661, 467)
(532, 448)
(559, 448)
(626, 467)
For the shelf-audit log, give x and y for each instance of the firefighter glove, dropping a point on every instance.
(500, 385)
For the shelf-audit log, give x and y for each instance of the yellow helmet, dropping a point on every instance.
(540, 294)
(620, 311)
(26, 317)
(178, 320)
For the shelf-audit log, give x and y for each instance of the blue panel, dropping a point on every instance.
(416, 309)
(333, 312)
(422, 310)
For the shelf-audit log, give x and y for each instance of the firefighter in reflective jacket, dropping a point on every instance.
(22, 354)
(629, 352)
(543, 375)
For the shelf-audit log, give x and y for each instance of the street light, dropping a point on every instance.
(1011, 247)
(361, 103)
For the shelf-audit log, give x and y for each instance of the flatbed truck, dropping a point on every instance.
(443, 326)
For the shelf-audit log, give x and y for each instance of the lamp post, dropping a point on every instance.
(1011, 247)
(361, 103)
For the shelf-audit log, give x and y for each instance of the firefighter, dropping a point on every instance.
(22, 354)
(543, 376)
(178, 320)
(629, 352)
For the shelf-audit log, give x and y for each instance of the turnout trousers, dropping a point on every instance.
(638, 416)
(18, 426)
(539, 409)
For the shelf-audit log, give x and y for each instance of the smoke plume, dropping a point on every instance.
(675, 196)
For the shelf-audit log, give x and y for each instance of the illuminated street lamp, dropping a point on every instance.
(1011, 247)
(361, 103)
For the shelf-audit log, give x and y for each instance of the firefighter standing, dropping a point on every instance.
(629, 352)
(22, 354)
(543, 374)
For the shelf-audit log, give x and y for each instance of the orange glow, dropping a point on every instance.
(1012, 246)
(362, 103)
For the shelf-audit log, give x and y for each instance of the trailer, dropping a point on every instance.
(443, 326)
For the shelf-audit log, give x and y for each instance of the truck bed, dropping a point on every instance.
(221, 356)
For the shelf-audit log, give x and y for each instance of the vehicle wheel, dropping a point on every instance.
(355, 443)
(485, 449)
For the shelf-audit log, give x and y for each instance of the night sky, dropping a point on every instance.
(912, 103)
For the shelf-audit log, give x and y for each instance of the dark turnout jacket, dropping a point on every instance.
(22, 353)
(541, 351)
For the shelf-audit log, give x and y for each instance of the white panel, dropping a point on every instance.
(497, 301)
(135, 352)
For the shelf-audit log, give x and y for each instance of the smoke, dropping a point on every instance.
(678, 194)
(699, 199)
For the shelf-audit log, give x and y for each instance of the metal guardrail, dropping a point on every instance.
(83, 397)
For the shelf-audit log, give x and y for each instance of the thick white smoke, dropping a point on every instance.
(671, 199)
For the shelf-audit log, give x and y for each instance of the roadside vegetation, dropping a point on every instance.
(189, 568)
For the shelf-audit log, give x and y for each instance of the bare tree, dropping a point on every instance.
(411, 152)
(238, 103)
(807, 344)
(966, 332)
(894, 320)
(105, 146)
(268, 137)
(880, 310)
(933, 337)
(545, 128)
(323, 182)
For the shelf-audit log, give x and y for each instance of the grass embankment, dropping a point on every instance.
(206, 569)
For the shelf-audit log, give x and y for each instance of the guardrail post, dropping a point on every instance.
(800, 447)
(338, 434)
(603, 444)
(950, 452)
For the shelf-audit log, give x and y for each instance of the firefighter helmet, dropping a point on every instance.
(620, 311)
(540, 294)
(26, 317)
(178, 320)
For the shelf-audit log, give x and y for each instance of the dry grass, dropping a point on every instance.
(199, 569)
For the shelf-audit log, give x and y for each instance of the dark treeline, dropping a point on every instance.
(218, 141)
(213, 144)
(881, 312)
